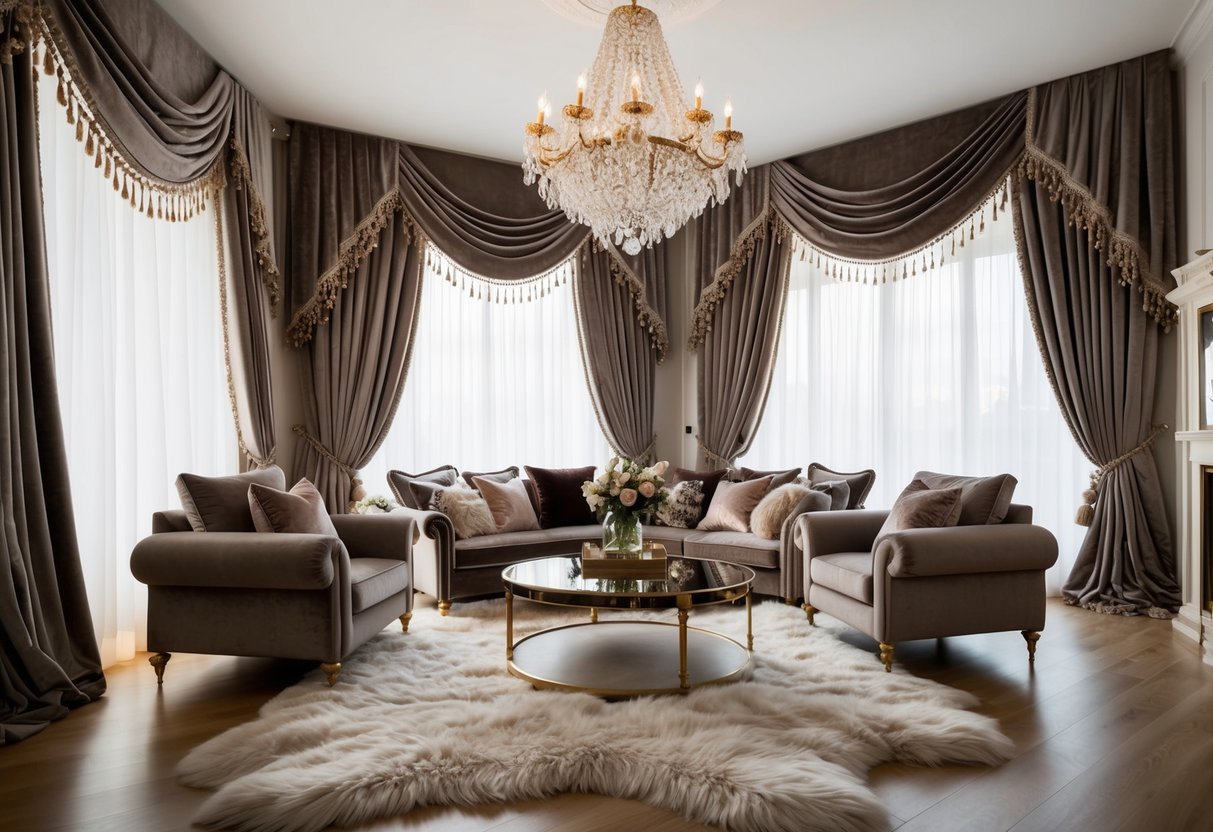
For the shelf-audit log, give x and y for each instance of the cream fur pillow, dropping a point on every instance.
(768, 516)
(467, 510)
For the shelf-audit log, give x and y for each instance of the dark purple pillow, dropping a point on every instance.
(561, 502)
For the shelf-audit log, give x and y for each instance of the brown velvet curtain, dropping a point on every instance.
(357, 361)
(49, 661)
(1096, 228)
(166, 118)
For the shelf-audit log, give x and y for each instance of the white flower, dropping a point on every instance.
(647, 489)
(660, 468)
(594, 500)
(615, 491)
(628, 496)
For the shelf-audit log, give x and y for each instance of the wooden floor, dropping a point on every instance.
(1113, 729)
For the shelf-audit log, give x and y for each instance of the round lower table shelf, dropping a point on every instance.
(625, 658)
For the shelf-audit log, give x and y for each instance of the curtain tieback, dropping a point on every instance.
(357, 492)
(712, 455)
(1086, 511)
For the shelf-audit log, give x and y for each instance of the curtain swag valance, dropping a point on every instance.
(910, 196)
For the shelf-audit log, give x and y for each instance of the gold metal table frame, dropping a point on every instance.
(617, 658)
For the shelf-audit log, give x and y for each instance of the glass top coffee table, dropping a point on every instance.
(620, 658)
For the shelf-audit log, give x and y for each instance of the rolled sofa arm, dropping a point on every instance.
(966, 550)
(246, 560)
(829, 532)
(389, 535)
(434, 552)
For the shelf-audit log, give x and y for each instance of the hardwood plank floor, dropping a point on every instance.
(1113, 731)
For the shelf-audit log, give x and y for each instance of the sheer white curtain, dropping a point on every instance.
(139, 357)
(939, 371)
(491, 385)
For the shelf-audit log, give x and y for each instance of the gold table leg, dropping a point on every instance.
(683, 681)
(749, 621)
(509, 625)
(593, 615)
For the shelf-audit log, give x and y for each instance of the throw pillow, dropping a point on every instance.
(778, 478)
(509, 504)
(298, 511)
(466, 509)
(983, 500)
(423, 492)
(504, 475)
(710, 480)
(560, 499)
(919, 507)
(220, 504)
(860, 482)
(769, 515)
(683, 507)
(837, 490)
(731, 507)
(398, 481)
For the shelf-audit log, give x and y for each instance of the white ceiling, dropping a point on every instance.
(802, 74)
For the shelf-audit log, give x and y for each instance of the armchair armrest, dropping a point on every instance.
(246, 560)
(390, 535)
(961, 550)
(827, 532)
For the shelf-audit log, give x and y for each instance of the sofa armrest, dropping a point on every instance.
(827, 532)
(240, 560)
(434, 554)
(964, 550)
(389, 535)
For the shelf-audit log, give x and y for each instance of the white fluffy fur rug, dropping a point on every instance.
(433, 717)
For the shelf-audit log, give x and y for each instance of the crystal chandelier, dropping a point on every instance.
(630, 160)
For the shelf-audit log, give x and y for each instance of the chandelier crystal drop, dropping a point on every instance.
(631, 160)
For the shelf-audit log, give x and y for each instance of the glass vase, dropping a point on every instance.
(621, 534)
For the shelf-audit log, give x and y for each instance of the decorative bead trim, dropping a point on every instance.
(739, 254)
(646, 315)
(242, 179)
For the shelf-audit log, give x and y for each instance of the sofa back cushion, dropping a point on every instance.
(920, 507)
(778, 478)
(860, 482)
(734, 502)
(983, 500)
(298, 511)
(509, 503)
(443, 476)
(504, 475)
(561, 502)
(220, 504)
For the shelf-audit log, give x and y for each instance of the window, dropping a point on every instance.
(940, 371)
(139, 359)
(491, 384)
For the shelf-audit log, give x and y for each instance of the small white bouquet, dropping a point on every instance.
(377, 504)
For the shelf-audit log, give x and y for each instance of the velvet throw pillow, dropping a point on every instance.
(298, 511)
(732, 505)
(466, 509)
(773, 510)
(504, 475)
(778, 478)
(220, 504)
(860, 482)
(710, 480)
(683, 507)
(837, 490)
(509, 503)
(560, 499)
(983, 500)
(443, 476)
(919, 507)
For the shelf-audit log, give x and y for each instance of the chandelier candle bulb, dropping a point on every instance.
(728, 114)
(699, 95)
(581, 89)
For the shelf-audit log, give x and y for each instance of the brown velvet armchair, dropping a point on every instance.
(926, 583)
(288, 596)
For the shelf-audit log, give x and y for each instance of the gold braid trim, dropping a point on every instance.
(646, 315)
(221, 258)
(242, 179)
(148, 194)
(350, 255)
(357, 492)
(739, 254)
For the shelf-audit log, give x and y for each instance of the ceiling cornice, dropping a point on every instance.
(1196, 27)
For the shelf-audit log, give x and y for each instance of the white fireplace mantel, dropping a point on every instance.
(1193, 292)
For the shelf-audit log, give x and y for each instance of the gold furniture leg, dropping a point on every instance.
(886, 656)
(444, 608)
(749, 621)
(331, 671)
(1031, 637)
(509, 625)
(404, 621)
(158, 662)
(593, 615)
(809, 612)
(683, 681)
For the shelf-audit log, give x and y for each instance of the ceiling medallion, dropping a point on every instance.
(630, 159)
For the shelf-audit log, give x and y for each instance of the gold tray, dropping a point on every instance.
(649, 565)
